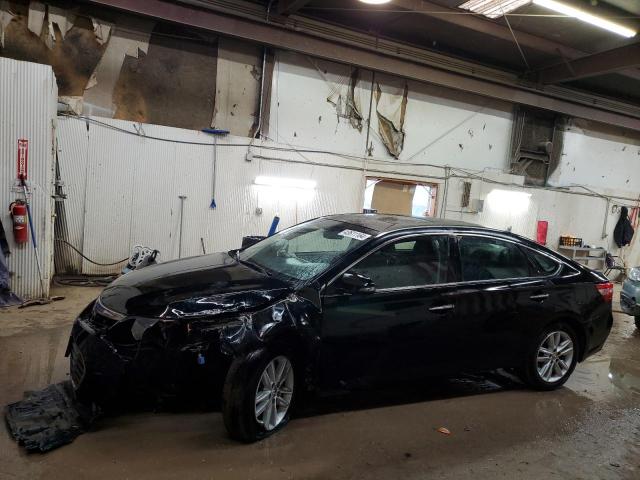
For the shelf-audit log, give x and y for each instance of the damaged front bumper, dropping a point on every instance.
(113, 359)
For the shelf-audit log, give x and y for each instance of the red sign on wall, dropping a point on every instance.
(23, 159)
(541, 233)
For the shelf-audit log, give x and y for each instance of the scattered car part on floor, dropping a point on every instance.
(48, 418)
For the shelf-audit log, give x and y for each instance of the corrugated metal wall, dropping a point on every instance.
(28, 98)
(132, 188)
(73, 143)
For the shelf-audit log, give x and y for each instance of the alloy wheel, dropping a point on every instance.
(274, 393)
(555, 356)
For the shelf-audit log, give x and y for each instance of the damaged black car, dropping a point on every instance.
(335, 304)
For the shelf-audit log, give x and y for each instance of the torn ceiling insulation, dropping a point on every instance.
(124, 40)
(5, 18)
(343, 97)
(391, 96)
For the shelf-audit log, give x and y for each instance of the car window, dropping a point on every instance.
(406, 263)
(485, 258)
(544, 265)
(306, 250)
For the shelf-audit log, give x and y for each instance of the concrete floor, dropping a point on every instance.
(588, 430)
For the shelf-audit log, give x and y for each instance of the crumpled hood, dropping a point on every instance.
(208, 285)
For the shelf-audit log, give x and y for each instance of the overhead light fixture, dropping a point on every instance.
(586, 17)
(375, 2)
(285, 182)
(493, 8)
(508, 201)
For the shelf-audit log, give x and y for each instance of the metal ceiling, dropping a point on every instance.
(545, 41)
(484, 61)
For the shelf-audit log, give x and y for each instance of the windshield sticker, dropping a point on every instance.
(353, 234)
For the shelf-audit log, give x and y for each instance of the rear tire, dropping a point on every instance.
(551, 357)
(257, 395)
(637, 319)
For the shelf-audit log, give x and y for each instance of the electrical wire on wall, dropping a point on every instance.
(457, 172)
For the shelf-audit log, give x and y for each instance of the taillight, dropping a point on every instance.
(606, 290)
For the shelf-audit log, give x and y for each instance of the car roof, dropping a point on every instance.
(391, 223)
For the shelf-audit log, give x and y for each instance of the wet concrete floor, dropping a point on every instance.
(590, 429)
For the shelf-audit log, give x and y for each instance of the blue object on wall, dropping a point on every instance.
(274, 226)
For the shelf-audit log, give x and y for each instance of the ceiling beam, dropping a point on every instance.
(289, 7)
(496, 30)
(341, 51)
(592, 65)
(488, 27)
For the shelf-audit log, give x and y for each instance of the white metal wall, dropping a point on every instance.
(28, 98)
(442, 126)
(73, 142)
(133, 186)
(123, 189)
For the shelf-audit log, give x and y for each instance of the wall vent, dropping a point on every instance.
(466, 194)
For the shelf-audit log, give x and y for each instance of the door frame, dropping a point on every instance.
(435, 187)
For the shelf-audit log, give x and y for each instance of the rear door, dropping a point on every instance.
(401, 329)
(496, 275)
(540, 299)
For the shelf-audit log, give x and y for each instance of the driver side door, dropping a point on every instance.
(397, 329)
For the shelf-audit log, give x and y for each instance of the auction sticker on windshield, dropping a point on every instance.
(354, 234)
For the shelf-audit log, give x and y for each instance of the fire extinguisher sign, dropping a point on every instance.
(23, 159)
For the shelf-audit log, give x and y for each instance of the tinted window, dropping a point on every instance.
(416, 262)
(487, 259)
(544, 264)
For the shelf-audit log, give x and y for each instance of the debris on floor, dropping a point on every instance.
(48, 418)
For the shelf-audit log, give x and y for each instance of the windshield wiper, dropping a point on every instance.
(254, 266)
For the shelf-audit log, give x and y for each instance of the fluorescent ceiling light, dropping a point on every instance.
(586, 17)
(375, 2)
(493, 8)
(285, 182)
(508, 201)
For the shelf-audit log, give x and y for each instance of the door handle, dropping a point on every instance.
(540, 296)
(442, 308)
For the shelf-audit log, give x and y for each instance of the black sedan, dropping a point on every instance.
(338, 303)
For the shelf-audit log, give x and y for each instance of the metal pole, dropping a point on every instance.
(213, 180)
(33, 238)
(182, 199)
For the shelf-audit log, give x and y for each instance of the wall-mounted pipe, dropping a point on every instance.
(258, 131)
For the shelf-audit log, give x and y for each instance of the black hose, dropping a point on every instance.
(87, 258)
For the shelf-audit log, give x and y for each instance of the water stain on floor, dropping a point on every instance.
(588, 429)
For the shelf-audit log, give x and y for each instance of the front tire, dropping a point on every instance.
(257, 395)
(551, 358)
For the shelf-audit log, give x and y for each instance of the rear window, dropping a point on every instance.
(543, 263)
(486, 258)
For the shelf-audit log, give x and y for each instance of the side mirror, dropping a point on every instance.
(356, 283)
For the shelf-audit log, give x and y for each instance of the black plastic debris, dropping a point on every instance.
(47, 419)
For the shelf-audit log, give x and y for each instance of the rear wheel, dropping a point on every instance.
(551, 358)
(257, 396)
(637, 322)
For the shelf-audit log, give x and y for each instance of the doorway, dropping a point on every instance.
(400, 197)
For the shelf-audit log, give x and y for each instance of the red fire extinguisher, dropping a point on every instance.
(18, 211)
